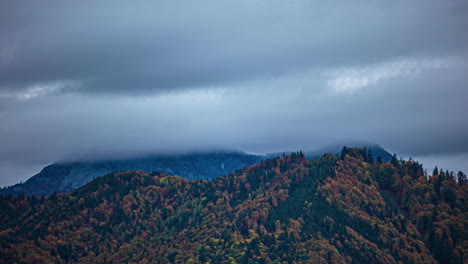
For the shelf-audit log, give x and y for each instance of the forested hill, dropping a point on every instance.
(334, 209)
(63, 177)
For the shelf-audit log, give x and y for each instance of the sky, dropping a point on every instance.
(96, 79)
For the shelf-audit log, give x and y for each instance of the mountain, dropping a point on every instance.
(66, 177)
(332, 209)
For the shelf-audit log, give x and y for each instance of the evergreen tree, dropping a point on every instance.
(435, 171)
(461, 178)
(344, 151)
(364, 153)
(370, 159)
(394, 160)
(379, 159)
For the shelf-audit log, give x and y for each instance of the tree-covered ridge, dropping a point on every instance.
(334, 209)
(65, 177)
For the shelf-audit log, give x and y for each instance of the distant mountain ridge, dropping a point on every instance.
(64, 177)
(68, 176)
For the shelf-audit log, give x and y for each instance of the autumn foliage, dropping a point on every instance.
(334, 209)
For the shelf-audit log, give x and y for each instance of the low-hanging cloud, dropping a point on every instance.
(104, 79)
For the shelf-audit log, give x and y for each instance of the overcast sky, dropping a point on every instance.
(83, 79)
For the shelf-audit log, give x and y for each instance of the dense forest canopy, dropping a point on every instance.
(346, 208)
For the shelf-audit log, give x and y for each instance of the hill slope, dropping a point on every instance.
(335, 209)
(66, 177)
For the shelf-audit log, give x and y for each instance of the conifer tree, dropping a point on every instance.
(364, 153)
(379, 159)
(344, 151)
(461, 178)
(394, 160)
(370, 159)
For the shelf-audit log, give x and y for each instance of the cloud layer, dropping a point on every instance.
(155, 47)
(77, 79)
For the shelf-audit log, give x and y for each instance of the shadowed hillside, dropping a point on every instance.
(66, 177)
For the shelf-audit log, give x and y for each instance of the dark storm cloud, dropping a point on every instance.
(113, 78)
(118, 47)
